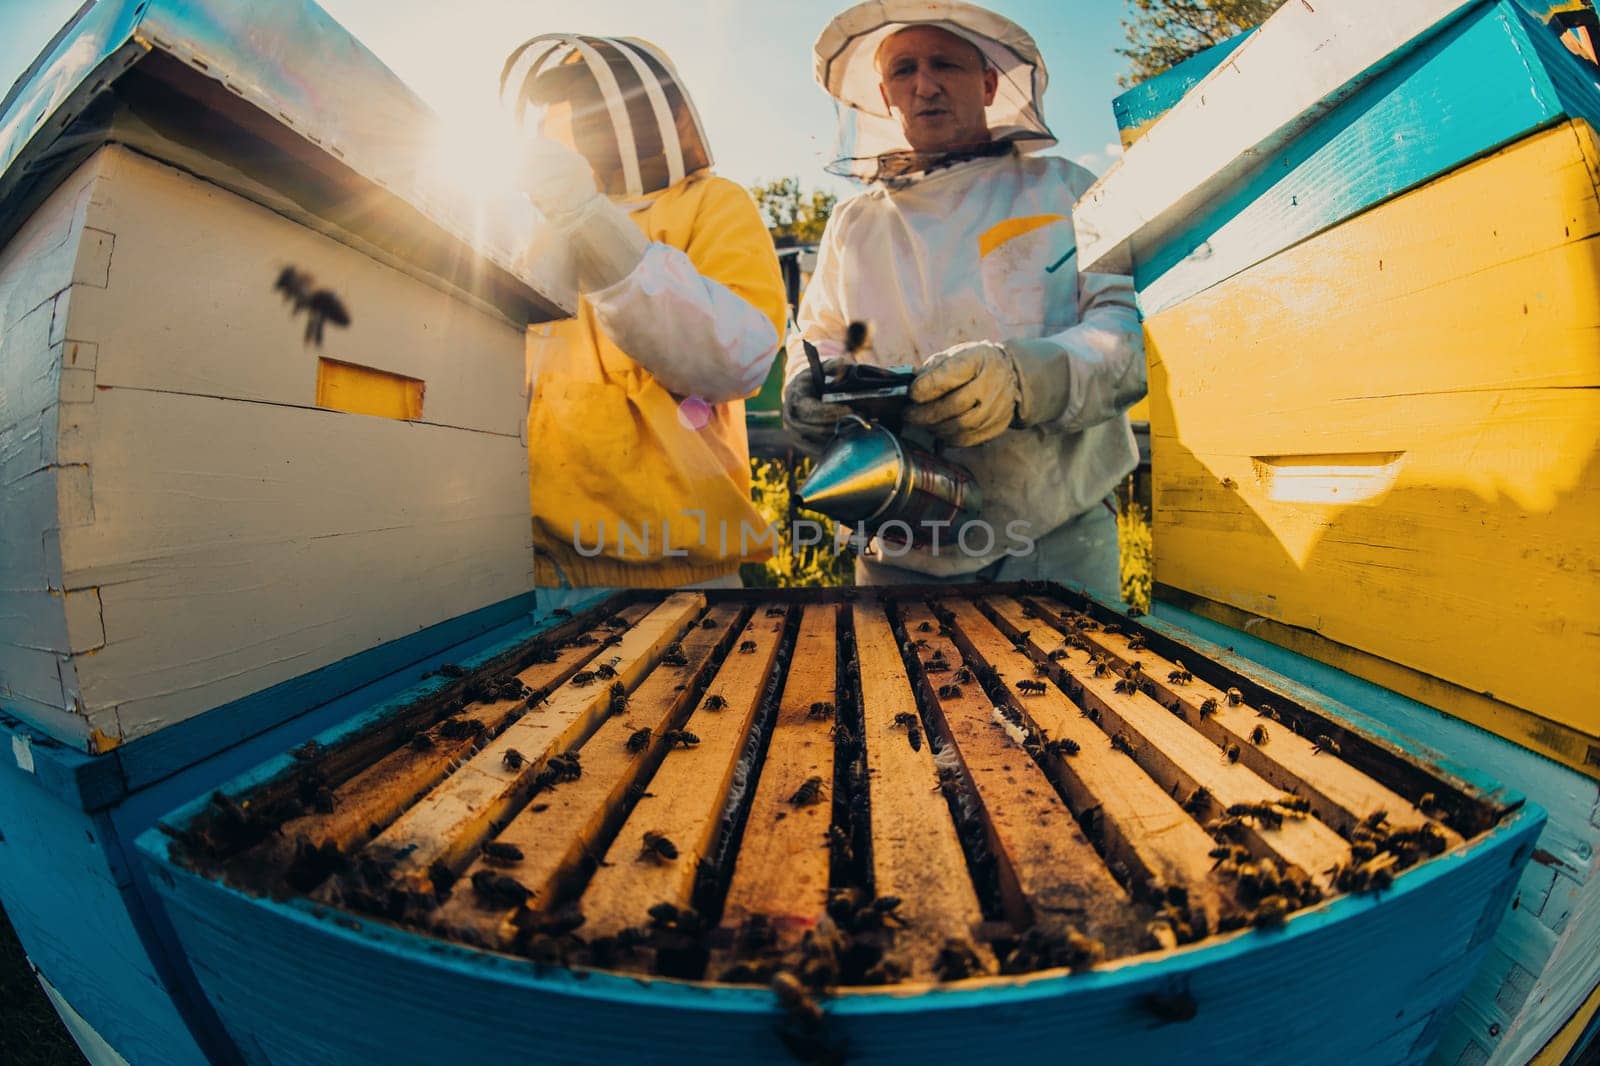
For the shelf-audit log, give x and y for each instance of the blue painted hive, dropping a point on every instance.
(736, 826)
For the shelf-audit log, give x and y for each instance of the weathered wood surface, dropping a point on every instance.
(916, 853)
(1183, 760)
(453, 820)
(1145, 828)
(687, 794)
(1339, 794)
(377, 794)
(781, 871)
(1049, 873)
(568, 824)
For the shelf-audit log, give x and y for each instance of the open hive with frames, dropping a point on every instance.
(841, 792)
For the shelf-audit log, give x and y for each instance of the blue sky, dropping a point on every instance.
(748, 64)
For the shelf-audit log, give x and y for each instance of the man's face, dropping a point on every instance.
(937, 86)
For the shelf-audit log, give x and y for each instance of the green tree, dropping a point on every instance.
(1163, 33)
(792, 213)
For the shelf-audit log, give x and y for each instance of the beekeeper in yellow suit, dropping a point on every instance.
(638, 461)
(961, 258)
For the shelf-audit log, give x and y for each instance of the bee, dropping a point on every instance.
(1258, 735)
(566, 766)
(448, 670)
(1091, 713)
(1057, 654)
(1235, 697)
(1136, 643)
(1325, 743)
(605, 671)
(1180, 676)
(421, 741)
(808, 793)
(949, 692)
(680, 737)
(1271, 911)
(1231, 753)
(674, 658)
(747, 647)
(657, 847)
(582, 640)
(512, 759)
(775, 611)
(638, 740)
(1208, 707)
(794, 999)
(1177, 711)
(461, 728)
(912, 727)
(1101, 666)
(1264, 813)
(936, 666)
(714, 702)
(1229, 853)
(1427, 803)
(321, 305)
(1031, 688)
(1375, 820)
(1125, 685)
(957, 961)
(1198, 801)
(963, 676)
(1120, 742)
(822, 709)
(584, 677)
(708, 623)
(1229, 828)
(499, 891)
(561, 612)
(924, 627)
(1062, 746)
(496, 853)
(839, 843)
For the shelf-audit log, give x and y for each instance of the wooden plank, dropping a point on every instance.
(1339, 794)
(570, 822)
(1143, 105)
(239, 338)
(377, 794)
(687, 795)
(1295, 68)
(454, 820)
(916, 853)
(1460, 97)
(1050, 875)
(1182, 760)
(1145, 828)
(1420, 573)
(781, 871)
(190, 623)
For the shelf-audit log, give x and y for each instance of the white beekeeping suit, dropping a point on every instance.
(977, 249)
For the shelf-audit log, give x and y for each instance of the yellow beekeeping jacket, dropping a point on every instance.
(630, 485)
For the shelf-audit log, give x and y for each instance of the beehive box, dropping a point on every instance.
(261, 413)
(900, 815)
(257, 413)
(1369, 315)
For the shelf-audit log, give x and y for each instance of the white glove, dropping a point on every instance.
(606, 245)
(811, 419)
(966, 394)
(971, 393)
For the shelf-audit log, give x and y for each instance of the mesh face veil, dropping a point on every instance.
(871, 143)
(618, 100)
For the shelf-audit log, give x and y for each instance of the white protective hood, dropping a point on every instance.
(844, 65)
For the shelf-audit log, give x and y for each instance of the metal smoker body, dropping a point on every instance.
(871, 478)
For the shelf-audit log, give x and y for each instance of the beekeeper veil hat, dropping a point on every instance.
(656, 138)
(845, 65)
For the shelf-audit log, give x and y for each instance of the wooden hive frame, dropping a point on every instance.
(851, 789)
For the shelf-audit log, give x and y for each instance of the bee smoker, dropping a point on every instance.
(872, 479)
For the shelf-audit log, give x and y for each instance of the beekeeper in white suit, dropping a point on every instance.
(961, 259)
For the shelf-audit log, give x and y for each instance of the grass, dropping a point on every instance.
(30, 1032)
